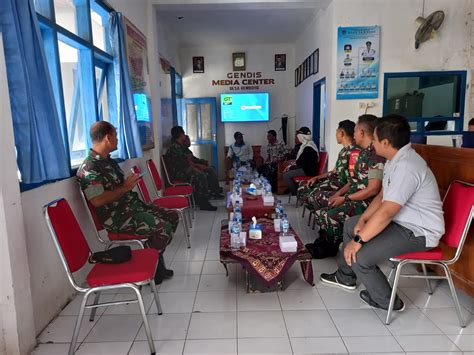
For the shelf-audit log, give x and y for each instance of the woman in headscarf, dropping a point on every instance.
(307, 159)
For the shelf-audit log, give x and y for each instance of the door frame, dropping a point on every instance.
(317, 111)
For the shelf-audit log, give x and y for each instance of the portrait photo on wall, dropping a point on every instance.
(198, 64)
(280, 62)
(238, 61)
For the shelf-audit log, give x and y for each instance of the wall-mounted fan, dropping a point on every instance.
(428, 27)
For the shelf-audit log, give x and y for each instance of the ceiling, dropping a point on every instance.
(242, 23)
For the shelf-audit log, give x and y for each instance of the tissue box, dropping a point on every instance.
(268, 200)
(255, 233)
(243, 238)
(276, 224)
(288, 244)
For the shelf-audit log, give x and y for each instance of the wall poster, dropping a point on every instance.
(135, 42)
(358, 51)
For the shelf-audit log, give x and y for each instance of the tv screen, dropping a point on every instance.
(245, 107)
(142, 110)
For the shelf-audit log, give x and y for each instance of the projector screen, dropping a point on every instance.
(245, 107)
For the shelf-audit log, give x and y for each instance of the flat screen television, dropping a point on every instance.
(142, 107)
(252, 107)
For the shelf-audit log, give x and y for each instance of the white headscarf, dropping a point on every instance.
(306, 141)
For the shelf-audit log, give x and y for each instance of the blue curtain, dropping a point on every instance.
(127, 130)
(42, 154)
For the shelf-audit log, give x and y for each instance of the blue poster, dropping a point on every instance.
(358, 51)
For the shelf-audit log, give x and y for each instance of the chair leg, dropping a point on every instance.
(314, 222)
(188, 216)
(185, 226)
(304, 209)
(289, 198)
(296, 205)
(145, 320)
(454, 294)
(309, 218)
(394, 293)
(96, 301)
(193, 201)
(77, 327)
(428, 283)
(157, 299)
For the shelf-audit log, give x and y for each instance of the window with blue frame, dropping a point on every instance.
(80, 64)
(433, 102)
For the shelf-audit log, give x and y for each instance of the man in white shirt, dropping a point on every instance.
(368, 53)
(239, 153)
(406, 216)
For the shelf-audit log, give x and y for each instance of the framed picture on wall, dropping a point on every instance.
(280, 62)
(300, 76)
(315, 62)
(238, 61)
(296, 77)
(198, 64)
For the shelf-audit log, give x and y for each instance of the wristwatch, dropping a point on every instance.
(358, 239)
(347, 198)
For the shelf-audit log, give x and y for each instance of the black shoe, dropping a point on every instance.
(206, 206)
(168, 273)
(398, 306)
(331, 279)
(322, 248)
(216, 196)
(162, 273)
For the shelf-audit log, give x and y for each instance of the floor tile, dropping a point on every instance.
(264, 346)
(72, 309)
(192, 254)
(217, 301)
(51, 349)
(301, 299)
(165, 347)
(426, 343)
(186, 268)
(268, 324)
(358, 322)
(465, 342)
(115, 328)
(211, 346)
(166, 326)
(212, 267)
(115, 348)
(129, 308)
(212, 254)
(61, 328)
(184, 283)
(257, 301)
(309, 324)
(217, 283)
(175, 302)
(295, 281)
(370, 344)
(324, 345)
(422, 299)
(447, 320)
(336, 298)
(409, 322)
(213, 326)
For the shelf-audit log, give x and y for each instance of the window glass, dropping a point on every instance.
(102, 95)
(98, 30)
(65, 12)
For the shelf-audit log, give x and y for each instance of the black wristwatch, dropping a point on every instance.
(358, 239)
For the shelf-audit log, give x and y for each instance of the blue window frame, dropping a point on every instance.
(433, 102)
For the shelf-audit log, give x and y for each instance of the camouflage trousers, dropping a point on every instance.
(156, 223)
(332, 220)
(317, 196)
(200, 186)
(212, 180)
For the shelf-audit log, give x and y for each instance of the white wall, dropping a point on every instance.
(259, 58)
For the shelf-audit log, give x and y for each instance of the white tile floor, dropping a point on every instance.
(206, 312)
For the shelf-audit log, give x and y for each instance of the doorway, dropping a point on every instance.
(319, 113)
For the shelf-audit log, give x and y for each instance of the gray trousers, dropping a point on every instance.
(288, 178)
(393, 241)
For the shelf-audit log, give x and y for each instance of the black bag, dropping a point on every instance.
(115, 255)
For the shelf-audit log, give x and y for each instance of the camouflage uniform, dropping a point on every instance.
(181, 169)
(209, 171)
(368, 166)
(317, 196)
(128, 215)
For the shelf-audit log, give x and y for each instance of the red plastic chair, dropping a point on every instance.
(74, 252)
(458, 208)
(178, 203)
(114, 238)
(174, 190)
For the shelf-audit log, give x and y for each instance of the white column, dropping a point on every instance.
(17, 335)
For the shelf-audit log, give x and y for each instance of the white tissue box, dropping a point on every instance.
(243, 238)
(288, 244)
(255, 234)
(276, 224)
(268, 200)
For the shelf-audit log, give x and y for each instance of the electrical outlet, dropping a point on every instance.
(370, 104)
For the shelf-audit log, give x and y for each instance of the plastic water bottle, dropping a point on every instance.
(285, 225)
(267, 189)
(279, 209)
(238, 214)
(235, 235)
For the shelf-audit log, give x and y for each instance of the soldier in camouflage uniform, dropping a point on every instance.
(315, 193)
(118, 207)
(181, 169)
(355, 196)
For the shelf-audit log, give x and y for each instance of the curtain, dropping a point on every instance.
(127, 131)
(42, 154)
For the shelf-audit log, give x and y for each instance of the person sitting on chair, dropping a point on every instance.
(118, 207)
(354, 197)
(307, 159)
(315, 193)
(276, 152)
(203, 165)
(180, 169)
(406, 216)
(239, 153)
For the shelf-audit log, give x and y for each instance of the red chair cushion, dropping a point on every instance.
(140, 268)
(178, 190)
(302, 178)
(123, 236)
(172, 202)
(432, 254)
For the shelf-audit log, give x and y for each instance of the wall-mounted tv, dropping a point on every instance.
(252, 107)
(142, 107)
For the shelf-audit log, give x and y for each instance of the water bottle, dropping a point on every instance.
(238, 213)
(279, 209)
(285, 225)
(235, 235)
(267, 189)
